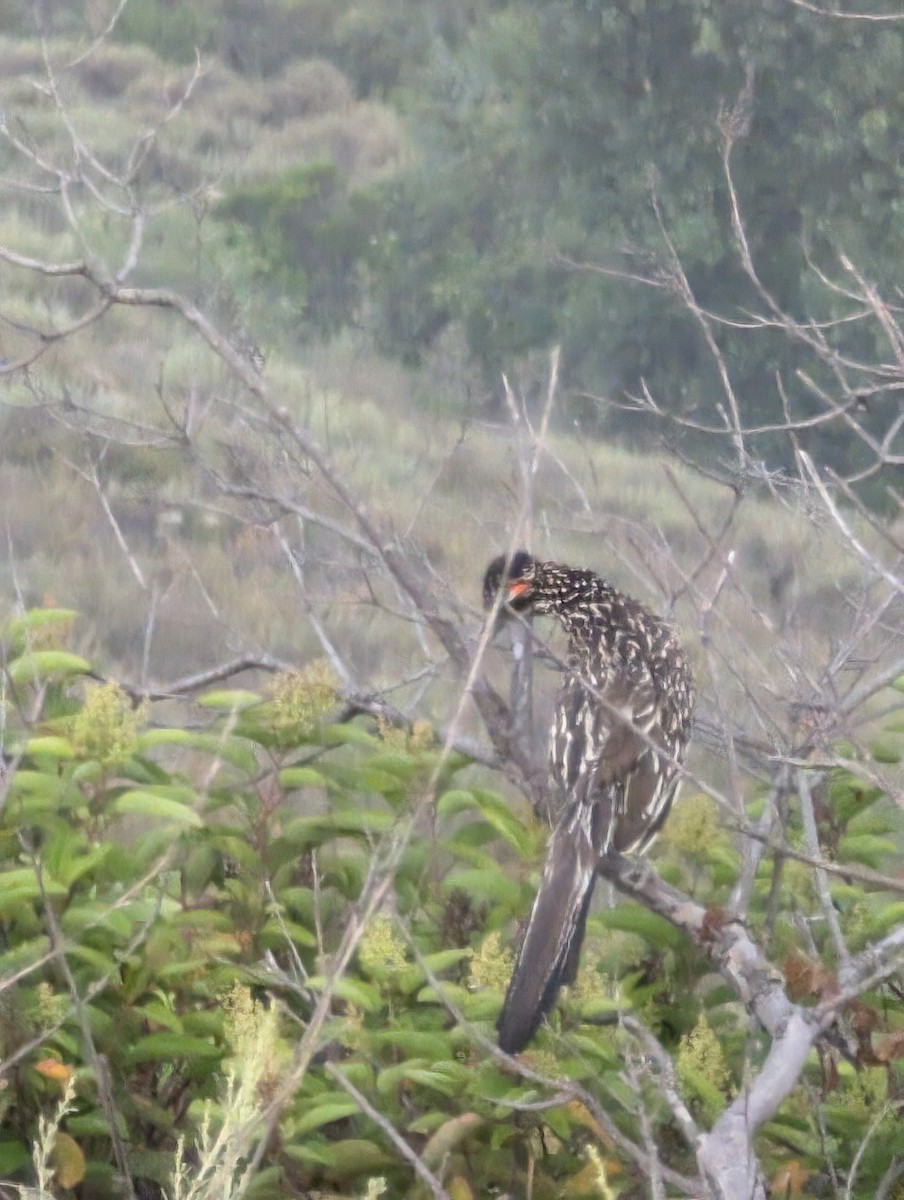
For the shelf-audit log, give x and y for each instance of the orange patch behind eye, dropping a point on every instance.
(517, 587)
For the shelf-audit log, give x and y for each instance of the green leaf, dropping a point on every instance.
(325, 1112)
(37, 791)
(229, 699)
(301, 777)
(598, 1008)
(886, 750)
(495, 811)
(275, 931)
(164, 1047)
(67, 1159)
(390, 1078)
(13, 1156)
(448, 1137)
(474, 843)
(454, 801)
(878, 819)
(94, 1124)
(439, 960)
(19, 886)
(166, 737)
(633, 918)
(696, 1082)
(596, 1049)
(483, 1005)
(37, 618)
(39, 664)
(354, 991)
(151, 804)
(414, 1043)
(412, 977)
(156, 1165)
(307, 831)
(485, 884)
(887, 918)
(267, 1183)
(51, 747)
(404, 766)
(92, 913)
(161, 1014)
(349, 734)
(379, 783)
(498, 813)
(454, 992)
(849, 795)
(428, 1123)
(233, 749)
(560, 1121)
(441, 1077)
(100, 963)
(87, 772)
(67, 856)
(865, 849)
(346, 1159)
(23, 954)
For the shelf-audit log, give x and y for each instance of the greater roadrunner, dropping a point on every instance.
(619, 731)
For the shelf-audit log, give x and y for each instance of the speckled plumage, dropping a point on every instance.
(620, 728)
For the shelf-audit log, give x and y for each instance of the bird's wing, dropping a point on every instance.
(610, 753)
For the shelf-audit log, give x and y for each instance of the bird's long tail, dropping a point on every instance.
(551, 948)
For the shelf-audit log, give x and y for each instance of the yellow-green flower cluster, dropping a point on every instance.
(491, 965)
(375, 1188)
(302, 699)
(105, 730)
(798, 881)
(545, 1063)
(251, 1030)
(352, 1033)
(381, 951)
(421, 736)
(864, 1094)
(600, 1175)
(52, 1007)
(590, 985)
(700, 1059)
(693, 826)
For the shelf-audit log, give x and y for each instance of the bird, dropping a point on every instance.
(619, 734)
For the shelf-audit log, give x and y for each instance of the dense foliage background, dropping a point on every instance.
(174, 896)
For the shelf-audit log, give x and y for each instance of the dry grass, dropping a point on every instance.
(309, 89)
(451, 491)
(238, 127)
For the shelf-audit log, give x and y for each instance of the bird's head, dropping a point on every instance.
(514, 575)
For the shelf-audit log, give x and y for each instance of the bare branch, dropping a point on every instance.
(840, 15)
(415, 1161)
(811, 841)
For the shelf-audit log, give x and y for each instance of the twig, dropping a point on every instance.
(668, 1082)
(811, 840)
(564, 1090)
(416, 1163)
(98, 1063)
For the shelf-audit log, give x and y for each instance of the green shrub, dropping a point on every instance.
(173, 896)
